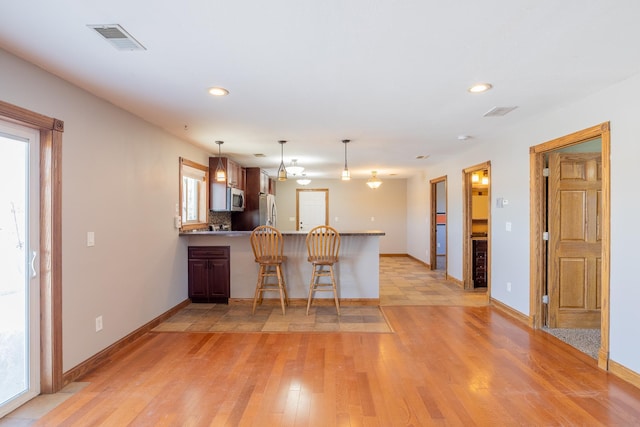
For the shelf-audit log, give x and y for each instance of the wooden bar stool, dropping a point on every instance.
(323, 246)
(268, 246)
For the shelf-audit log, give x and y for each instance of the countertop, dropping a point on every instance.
(284, 233)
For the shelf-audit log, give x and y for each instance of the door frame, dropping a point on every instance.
(538, 251)
(467, 246)
(433, 258)
(51, 129)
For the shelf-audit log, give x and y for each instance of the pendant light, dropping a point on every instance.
(346, 176)
(294, 169)
(282, 171)
(374, 182)
(221, 174)
(304, 180)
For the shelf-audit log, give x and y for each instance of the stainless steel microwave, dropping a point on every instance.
(235, 199)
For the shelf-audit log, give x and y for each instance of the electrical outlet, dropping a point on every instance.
(98, 323)
(508, 286)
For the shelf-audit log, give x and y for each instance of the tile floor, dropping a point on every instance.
(405, 281)
(268, 318)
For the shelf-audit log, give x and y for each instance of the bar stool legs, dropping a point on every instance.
(267, 245)
(323, 247)
(265, 272)
(319, 271)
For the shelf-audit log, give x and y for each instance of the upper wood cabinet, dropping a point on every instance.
(235, 175)
(235, 172)
(272, 186)
(480, 206)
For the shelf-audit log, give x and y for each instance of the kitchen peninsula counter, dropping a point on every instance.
(357, 271)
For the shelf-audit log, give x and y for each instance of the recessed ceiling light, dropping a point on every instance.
(463, 137)
(422, 156)
(480, 87)
(218, 91)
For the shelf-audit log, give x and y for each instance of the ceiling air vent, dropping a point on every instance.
(499, 111)
(117, 36)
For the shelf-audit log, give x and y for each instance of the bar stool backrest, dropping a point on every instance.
(267, 244)
(323, 243)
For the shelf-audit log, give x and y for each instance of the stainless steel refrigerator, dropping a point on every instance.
(268, 211)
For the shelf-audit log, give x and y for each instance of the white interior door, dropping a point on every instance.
(312, 209)
(19, 266)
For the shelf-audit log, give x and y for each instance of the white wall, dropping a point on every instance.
(119, 180)
(354, 204)
(508, 151)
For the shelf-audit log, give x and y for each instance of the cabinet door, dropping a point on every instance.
(272, 186)
(198, 278)
(219, 277)
(242, 178)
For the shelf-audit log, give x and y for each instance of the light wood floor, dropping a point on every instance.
(444, 365)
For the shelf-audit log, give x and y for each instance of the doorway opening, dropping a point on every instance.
(477, 228)
(438, 239)
(566, 277)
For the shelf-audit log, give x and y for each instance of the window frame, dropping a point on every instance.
(184, 226)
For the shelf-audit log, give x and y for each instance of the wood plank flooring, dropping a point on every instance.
(444, 365)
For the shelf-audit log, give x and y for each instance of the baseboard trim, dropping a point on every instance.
(302, 302)
(101, 357)
(624, 373)
(511, 312)
(420, 261)
(454, 280)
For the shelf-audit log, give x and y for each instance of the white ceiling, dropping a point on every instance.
(392, 76)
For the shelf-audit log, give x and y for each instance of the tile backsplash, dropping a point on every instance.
(217, 219)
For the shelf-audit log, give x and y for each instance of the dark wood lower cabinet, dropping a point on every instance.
(479, 263)
(209, 274)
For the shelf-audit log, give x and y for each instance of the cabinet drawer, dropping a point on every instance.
(196, 252)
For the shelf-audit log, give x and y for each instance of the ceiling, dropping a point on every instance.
(390, 76)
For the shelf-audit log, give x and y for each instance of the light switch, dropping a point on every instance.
(91, 238)
(507, 226)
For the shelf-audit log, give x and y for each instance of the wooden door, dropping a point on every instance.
(575, 249)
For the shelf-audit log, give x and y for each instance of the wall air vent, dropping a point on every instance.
(499, 111)
(117, 36)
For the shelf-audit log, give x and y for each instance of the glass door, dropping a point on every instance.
(19, 266)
